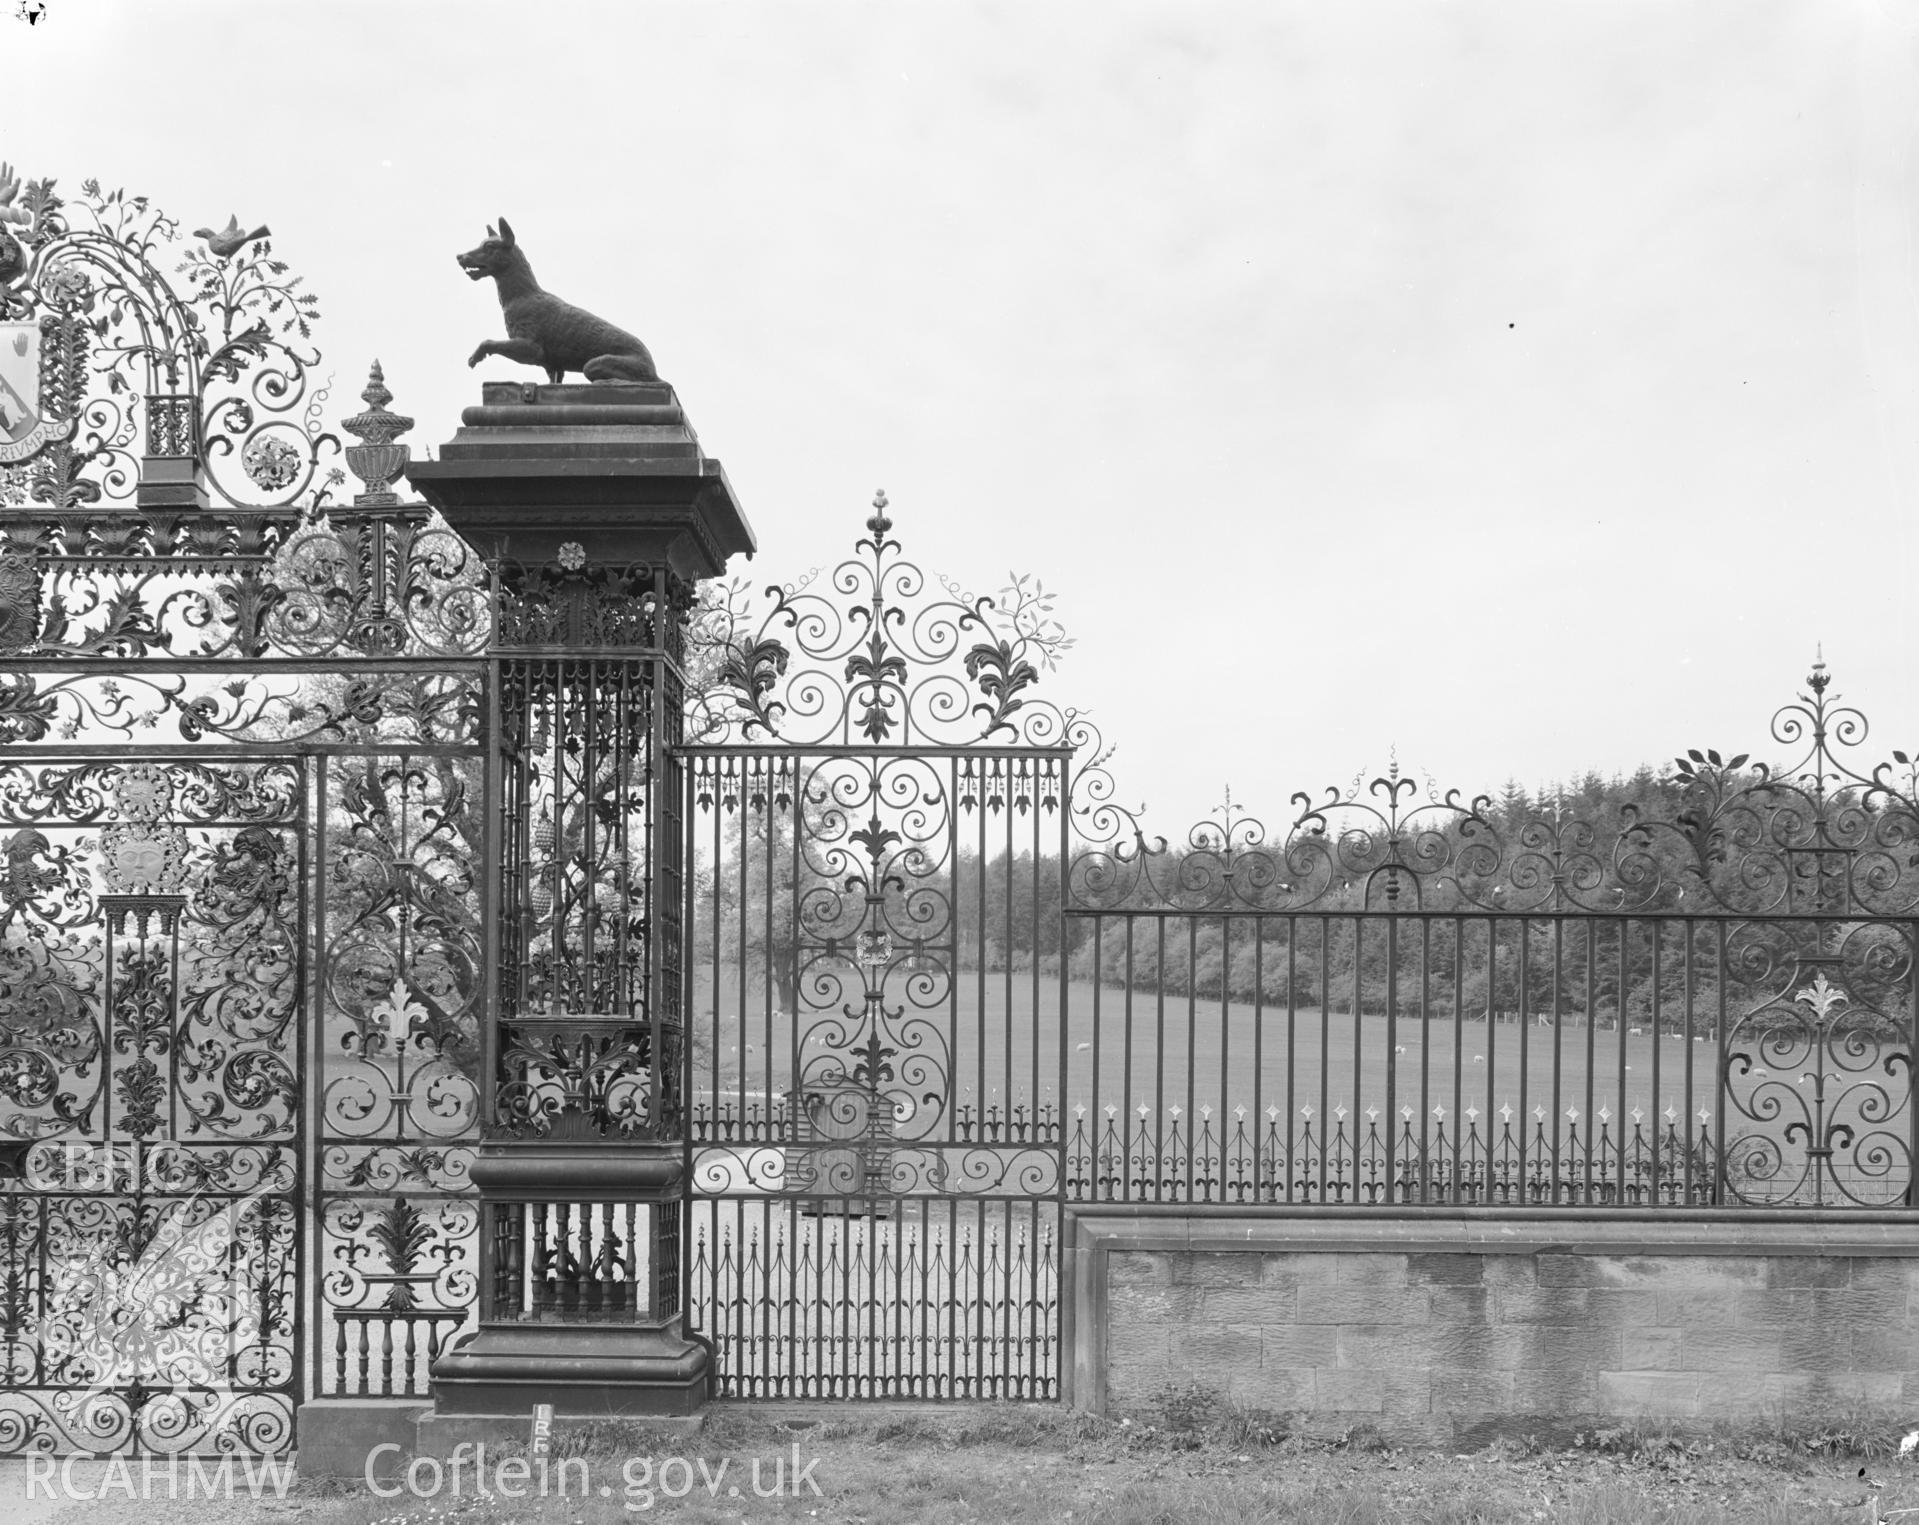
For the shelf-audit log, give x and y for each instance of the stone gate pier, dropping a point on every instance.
(596, 512)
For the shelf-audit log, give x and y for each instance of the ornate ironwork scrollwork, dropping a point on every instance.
(874, 959)
(874, 659)
(587, 1076)
(181, 381)
(158, 913)
(858, 865)
(210, 371)
(1733, 836)
(571, 603)
(1818, 1073)
(164, 1322)
(1816, 835)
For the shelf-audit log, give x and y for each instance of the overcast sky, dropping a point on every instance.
(1525, 387)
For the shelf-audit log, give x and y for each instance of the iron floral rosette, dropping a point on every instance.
(192, 351)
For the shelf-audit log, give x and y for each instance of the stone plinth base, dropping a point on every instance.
(440, 1435)
(375, 1440)
(1450, 1326)
(344, 1437)
(581, 1369)
(577, 1170)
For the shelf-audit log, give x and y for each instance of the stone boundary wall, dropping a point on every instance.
(1455, 1325)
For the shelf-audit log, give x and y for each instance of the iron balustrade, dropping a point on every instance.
(386, 1353)
(585, 1262)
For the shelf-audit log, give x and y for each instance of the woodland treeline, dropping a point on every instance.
(1685, 853)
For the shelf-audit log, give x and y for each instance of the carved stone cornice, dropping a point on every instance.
(612, 468)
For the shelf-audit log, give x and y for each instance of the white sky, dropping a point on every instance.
(1524, 386)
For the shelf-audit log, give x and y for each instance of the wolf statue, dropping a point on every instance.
(542, 330)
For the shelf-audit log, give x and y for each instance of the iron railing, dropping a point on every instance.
(1401, 1059)
(923, 1299)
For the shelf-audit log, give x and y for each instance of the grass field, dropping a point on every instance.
(997, 1039)
(1000, 1040)
(1181, 1464)
(1000, 1044)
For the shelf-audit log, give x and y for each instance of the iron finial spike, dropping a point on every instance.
(376, 394)
(1819, 677)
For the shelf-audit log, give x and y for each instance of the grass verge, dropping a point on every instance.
(1187, 1460)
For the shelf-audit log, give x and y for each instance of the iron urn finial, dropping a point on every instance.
(377, 459)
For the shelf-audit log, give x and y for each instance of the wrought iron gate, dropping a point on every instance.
(878, 849)
(938, 987)
(239, 1053)
(151, 974)
(240, 760)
